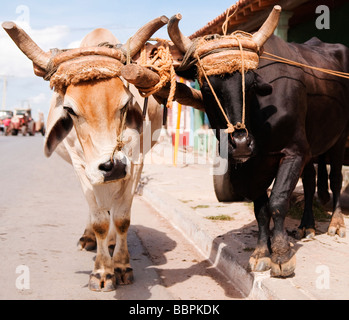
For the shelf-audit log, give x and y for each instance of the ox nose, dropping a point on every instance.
(242, 146)
(113, 170)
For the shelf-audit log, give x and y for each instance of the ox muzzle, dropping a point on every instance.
(113, 170)
(242, 146)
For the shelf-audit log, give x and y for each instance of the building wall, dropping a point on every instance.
(337, 33)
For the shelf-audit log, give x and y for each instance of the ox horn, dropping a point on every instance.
(27, 45)
(268, 27)
(136, 42)
(182, 42)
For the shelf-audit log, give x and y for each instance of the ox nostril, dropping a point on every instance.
(106, 166)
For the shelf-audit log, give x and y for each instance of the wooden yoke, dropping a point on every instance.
(139, 76)
(142, 77)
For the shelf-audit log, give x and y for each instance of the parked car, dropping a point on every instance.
(23, 122)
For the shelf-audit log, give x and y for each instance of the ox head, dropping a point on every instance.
(228, 83)
(91, 97)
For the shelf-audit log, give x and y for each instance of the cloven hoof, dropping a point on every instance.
(285, 269)
(124, 276)
(259, 264)
(103, 283)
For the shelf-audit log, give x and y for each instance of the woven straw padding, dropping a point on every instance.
(84, 69)
(227, 61)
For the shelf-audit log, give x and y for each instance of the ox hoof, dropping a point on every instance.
(87, 241)
(259, 264)
(333, 230)
(299, 233)
(124, 276)
(284, 269)
(103, 283)
(87, 244)
(309, 233)
(337, 225)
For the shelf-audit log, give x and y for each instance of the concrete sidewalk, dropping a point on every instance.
(185, 196)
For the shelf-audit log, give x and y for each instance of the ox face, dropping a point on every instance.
(228, 88)
(96, 109)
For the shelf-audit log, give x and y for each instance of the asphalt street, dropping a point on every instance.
(43, 214)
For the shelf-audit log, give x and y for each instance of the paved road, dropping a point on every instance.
(42, 215)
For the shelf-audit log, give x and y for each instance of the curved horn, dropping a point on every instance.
(137, 41)
(268, 27)
(27, 45)
(182, 42)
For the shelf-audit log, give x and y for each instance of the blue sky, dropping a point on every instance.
(64, 23)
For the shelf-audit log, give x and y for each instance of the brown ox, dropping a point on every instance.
(95, 123)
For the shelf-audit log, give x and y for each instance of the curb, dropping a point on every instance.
(250, 284)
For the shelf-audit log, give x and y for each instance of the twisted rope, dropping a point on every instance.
(239, 125)
(162, 63)
(273, 57)
(119, 139)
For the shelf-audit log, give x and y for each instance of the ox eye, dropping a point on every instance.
(70, 111)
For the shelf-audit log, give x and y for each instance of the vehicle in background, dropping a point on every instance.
(23, 122)
(40, 124)
(5, 120)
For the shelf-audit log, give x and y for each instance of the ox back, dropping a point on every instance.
(322, 98)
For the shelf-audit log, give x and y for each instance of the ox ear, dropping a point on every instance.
(262, 88)
(58, 126)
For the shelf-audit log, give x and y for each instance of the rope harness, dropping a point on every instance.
(274, 57)
(217, 55)
(162, 63)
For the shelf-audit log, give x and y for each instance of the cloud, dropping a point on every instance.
(74, 44)
(38, 99)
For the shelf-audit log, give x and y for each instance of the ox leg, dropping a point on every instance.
(307, 225)
(121, 213)
(67, 151)
(260, 258)
(121, 258)
(322, 180)
(283, 259)
(337, 225)
(88, 240)
(102, 278)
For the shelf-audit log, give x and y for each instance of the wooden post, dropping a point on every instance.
(177, 134)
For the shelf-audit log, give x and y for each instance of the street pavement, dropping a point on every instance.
(184, 194)
(42, 213)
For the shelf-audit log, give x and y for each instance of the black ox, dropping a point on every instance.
(293, 114)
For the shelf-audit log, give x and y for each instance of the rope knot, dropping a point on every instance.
(240, 126)
(162, 63)
(230, 128)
